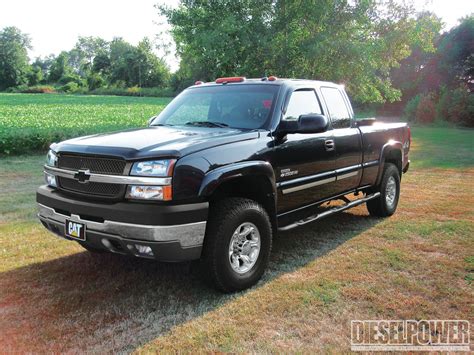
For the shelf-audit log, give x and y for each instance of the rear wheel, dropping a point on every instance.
(237, 244)
(386, 204)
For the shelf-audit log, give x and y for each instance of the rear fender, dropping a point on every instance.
(393, 150)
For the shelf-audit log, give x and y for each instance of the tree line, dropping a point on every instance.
(388, 55)
(92, 64)
(438, 86)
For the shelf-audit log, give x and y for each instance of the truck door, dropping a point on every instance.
(304, 163)
(347, 140)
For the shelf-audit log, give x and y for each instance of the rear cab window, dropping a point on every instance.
(337, 107)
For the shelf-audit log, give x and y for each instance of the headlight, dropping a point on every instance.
(161, 168)
(151, 168)
(161, 193)
(51, 158)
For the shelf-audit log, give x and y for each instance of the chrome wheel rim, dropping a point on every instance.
(244, 247)
(390, 191)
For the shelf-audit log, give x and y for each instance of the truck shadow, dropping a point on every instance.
(98, 303)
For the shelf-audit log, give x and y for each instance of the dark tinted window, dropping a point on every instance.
(302, 102)
(337, 107)
(239, 106)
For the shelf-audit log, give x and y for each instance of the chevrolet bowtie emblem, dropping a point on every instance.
(83, 176)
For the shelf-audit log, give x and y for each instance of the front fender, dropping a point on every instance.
(216, 177)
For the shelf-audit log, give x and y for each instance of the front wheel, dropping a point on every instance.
(237, 244)
(386, 204)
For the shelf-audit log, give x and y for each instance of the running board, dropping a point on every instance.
(337, 209)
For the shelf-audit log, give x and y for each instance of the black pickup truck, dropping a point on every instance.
(222, 169)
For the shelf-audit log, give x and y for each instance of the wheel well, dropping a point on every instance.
(394, 156)
(257, 188)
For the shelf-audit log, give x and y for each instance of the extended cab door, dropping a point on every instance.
(347, 140)
(304, 163)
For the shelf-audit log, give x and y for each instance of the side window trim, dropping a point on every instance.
(348, 104)
(322, 103)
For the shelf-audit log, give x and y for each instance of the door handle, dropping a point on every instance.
(329, 144)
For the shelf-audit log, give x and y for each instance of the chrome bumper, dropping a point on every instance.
(187, 235)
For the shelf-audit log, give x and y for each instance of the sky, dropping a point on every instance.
(55, 25)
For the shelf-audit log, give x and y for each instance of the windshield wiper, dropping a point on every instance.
(207, 124)
(161, 124)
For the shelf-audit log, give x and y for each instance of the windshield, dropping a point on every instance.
(239, 106)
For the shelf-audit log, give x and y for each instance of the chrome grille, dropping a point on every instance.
(91, 188)
(97, 165)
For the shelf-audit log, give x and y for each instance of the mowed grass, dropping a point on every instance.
(418, 264)
(443, 147)
(19, 178)
(30, 122)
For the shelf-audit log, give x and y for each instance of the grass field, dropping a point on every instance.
(29, 122)
(418, 264)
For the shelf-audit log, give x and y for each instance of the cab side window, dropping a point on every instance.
(337, 107)
(302, 102)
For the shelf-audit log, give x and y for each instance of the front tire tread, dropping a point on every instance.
(224, 217)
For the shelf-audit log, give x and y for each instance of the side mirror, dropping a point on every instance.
(310, 123)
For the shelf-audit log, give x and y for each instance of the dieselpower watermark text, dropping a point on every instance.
(410, 335)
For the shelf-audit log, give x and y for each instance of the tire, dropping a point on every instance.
(386, 204)
(237, 228)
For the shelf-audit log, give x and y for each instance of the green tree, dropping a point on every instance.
(221, 37)
(59, 67)
(95, 81)
(84, 52)
(149, 70)
(101, 64)
(44, 64)
(120, 59)
(451, 64)
(353, 42)
(35, 75)
(446, 76)
(455, 54)
(418, 74)
(130, 65)
(14, 65)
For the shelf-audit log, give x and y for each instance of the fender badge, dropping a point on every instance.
(288, 172)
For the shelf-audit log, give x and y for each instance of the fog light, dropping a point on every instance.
(50, 180)
(143, 249)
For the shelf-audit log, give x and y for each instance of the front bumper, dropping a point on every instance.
(122, 227)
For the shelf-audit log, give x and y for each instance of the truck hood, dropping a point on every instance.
(162, 141)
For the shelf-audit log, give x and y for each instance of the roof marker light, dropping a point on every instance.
(267, 103)
(231, 79)
(272, 78)
(199, 82)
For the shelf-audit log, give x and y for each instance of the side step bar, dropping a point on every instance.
(337, 209)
